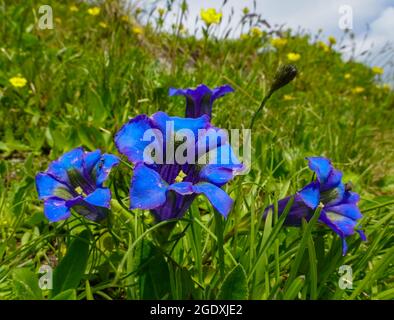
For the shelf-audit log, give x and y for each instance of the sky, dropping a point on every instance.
(374, 18)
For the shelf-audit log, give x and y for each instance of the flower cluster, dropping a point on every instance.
(339, 204)
(166, 187)
(76, 181)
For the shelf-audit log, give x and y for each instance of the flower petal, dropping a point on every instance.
(103, 168)
(101, 197)
(216, 196)
(47, 186)
(148, 189)
(321, 166)
(348, 210)
(310, 195)
(129, 139)
(221, 91)
(72, 160)
(55, 209)
(183, 188)
(162, 120)
(90, 159)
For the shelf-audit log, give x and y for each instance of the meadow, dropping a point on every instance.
(78, 83)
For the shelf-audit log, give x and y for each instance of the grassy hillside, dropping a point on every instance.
(91, 72)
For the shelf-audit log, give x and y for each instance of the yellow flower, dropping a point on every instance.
(293, 56)
(323, 46)
(161, 11)
(18, 82)
(288, 97)
(347, 76)
(256, 32)
(74, 8)
(279, 42)
(332, 40)
(124, 18)
(137, 30)
(103, 25)
(94, 11)
(358, 90)
(377, 70)
(245, 11)
(210, 16)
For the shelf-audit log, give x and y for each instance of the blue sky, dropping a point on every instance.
(374, 17)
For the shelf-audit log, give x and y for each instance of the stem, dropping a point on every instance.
(378, 206)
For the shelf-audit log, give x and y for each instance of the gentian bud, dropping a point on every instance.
(283, 76)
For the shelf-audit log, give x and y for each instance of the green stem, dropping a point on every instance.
(378, 206)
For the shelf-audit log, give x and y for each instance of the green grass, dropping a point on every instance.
(84, 81)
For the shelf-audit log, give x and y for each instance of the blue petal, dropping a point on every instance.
(348, 210)
(183, 188)
(101, 197)
(55, 209)
(362, 235)
(87, 209)
(321, 166)
(351, 197)
(72, 160)
(221, 91)
(310, 195)
(103, 168)
(129, 139)
(196, 94)
(161, 119)
(90, 159)
(344, 226)
(216, 196)
(148, 189)
(47, 186)
(334, 179)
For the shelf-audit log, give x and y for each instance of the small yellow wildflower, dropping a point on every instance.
(210, 16)
(94, 11)
(377, 70)
(245, 11)
(358, 89)
(279, 42)
(103, 25)
(347, 76)
(293, 56)
(288, 97)
(256, 32)
(332, 40)
(323, 46)
(124, 18)
(18, 82)
(74, 8)
(161, 11)
(137, 30)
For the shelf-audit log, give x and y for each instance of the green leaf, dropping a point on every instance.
(294, 288)
(25, 284)
(71, 268)
(69, 294)
(235, 285)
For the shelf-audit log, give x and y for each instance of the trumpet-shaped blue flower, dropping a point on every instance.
(168, 187)
(75, 181)
(199, 101)
(340, 211)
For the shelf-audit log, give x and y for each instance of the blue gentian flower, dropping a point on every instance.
(75, 181)
(168, 188)
(199, 101)
(340, 211)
